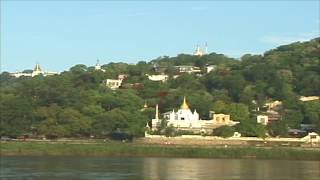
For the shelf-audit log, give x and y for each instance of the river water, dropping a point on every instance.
(60, 167)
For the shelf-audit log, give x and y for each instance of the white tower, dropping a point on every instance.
(98, 66)
(198, 51)
(206, 48)
(157, 112)
(37, 70)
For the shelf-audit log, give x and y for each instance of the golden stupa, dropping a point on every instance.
(184, 104)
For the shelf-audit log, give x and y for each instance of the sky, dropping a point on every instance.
(61, 34)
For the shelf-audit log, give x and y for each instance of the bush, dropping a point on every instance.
(169, 131)
(121, 136)
(251, 129)
(185, 132)
(278, 128)
(224, 131)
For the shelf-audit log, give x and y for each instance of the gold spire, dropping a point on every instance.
(145, 105)
(184, 104)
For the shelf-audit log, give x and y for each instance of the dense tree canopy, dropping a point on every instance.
(76, 103)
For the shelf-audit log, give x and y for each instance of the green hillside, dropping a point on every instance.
(77, 104)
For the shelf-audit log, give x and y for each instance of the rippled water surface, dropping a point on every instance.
(50, 167)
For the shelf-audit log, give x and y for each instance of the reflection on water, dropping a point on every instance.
(158, 168)
(50, 167)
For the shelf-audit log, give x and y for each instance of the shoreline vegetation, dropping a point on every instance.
(138, 149)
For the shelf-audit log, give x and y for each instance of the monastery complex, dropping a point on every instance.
(36, 71)
(185, 119)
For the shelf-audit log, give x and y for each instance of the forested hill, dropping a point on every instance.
(76, 103)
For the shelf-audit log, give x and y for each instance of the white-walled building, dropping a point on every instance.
(161, 77)
(312, 137)
(188, 69)
(210, 68)
(185, 119)
(263, 119)
(36, 71)
(309, 98)
(112, 83)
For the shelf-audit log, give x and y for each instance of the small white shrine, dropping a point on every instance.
(97, 67)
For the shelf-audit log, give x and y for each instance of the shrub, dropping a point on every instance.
(224, 131)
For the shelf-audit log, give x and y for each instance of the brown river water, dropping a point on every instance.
(66, 167)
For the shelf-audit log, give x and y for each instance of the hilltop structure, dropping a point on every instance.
(36, 71)
(200, 52)
(185, 119)
(97, 67)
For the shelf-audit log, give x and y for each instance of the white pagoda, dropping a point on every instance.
(36, 71)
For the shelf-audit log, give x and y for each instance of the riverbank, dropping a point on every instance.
(137, 149)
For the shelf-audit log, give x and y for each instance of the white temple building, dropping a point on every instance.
(185, 119)
(97, 67)
(36, 71)
(200, 52)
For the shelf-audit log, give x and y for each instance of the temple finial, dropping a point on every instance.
(145, 105)
(184, 104)
(37, 68)
(98, 61)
